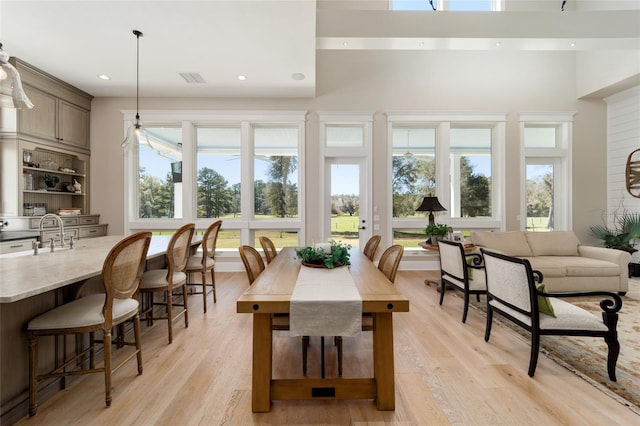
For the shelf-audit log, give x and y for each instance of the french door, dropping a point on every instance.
(346, 206)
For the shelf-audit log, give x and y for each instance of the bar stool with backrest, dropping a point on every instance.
(121, 275)
(166, 280)
(206, 262)
(269, 248)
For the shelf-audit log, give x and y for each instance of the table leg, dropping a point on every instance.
(383, 365)
(262, 365)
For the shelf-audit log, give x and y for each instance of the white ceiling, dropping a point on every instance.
(267, 40)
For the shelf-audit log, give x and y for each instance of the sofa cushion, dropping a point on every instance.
(550, 266)
(573, 266)
(513, 243)
(584, 267)
(555, 243)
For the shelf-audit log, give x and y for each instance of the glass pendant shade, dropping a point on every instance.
(11, 92)
(136, 134)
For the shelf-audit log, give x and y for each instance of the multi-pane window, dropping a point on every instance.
(159, 174)
(546, 146)
(413, 156)
(454, 157)
(218, 174)
(233, 166)
(460, 5)
(470, 157)
(275, 172)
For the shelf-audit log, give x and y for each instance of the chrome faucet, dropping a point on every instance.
(60, 227)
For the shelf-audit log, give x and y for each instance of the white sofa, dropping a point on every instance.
(565, 263)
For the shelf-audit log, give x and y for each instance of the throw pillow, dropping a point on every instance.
(544, 304)
(469, 270)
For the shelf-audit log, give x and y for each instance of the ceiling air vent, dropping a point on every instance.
(192, 77)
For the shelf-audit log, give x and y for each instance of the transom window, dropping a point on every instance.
(461, 5)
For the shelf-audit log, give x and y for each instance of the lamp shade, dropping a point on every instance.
(12, 94)
(430, 204)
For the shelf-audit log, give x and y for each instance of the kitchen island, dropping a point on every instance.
(33, 284)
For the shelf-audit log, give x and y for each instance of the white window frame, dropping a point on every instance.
(364, 120)
(443, 124)
(560, 157)
(189, 120)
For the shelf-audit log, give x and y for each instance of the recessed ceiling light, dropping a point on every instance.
(498, 44)
(297, 76)
(421, 44)
(346, 43)
(573, 44)
(104, 77)
(242, 77)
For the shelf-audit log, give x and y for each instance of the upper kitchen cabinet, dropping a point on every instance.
(61, 113)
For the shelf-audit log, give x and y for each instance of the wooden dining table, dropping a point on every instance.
(271, 293)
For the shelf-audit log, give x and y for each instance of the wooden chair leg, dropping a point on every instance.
(33, 374)
(136, 333)
(305, 349)
(170, 314)
(186, 308)
(107, 367)
(213, 285)
(487, 331)
(204, 291)
(338, 342)
(535, 349)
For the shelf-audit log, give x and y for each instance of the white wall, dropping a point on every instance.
(623, 137)
(399, 81)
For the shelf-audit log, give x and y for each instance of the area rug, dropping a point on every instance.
(586, 356)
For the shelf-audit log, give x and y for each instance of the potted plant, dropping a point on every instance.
(50, 180)
(329, 256)
(437, 232)
(621, 235)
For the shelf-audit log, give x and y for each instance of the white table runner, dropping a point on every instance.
(325, 302)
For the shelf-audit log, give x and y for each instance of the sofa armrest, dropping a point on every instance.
(620, 257)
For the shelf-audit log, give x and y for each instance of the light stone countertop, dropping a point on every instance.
(23, 275)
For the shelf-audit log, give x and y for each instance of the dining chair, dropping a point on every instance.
(99, 312)
(166, 280)
(371, 247)
(205, 262)
(460, 271)
(254, 265)
(269, 248)
(513, 293)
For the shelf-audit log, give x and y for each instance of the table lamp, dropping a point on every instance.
(431, 204)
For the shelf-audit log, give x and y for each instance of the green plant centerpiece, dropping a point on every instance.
(621, 235)
(50, 180)
(328, 256)
(437, 232)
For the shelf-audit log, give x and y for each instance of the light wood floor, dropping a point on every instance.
(445, 374)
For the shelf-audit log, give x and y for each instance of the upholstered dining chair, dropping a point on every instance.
(121, 275)
(269, 248)
(206, 262)
(460, 271)
(166, 280)
(513, 293)
(371, 247)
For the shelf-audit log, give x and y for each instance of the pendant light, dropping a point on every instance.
(11, 92)
(136, 134)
